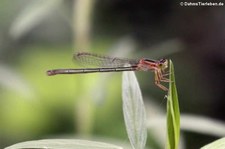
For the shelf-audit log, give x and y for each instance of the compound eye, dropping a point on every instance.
(163, 60)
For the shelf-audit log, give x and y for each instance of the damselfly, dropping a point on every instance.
(110, 64)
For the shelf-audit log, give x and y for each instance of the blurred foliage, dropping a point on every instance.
(49, 108)
(35, 106)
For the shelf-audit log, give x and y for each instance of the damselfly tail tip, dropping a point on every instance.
(50, 73)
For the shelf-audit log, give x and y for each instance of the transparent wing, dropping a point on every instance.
(90, 59)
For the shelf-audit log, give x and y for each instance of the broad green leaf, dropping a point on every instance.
(173, 113)
(218, 144)
(134, 111)
(63, 144)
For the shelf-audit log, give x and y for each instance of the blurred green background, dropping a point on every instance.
(38, 35)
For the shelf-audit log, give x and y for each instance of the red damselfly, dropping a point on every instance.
(110, 64)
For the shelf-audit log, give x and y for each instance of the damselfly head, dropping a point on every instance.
(163, 64)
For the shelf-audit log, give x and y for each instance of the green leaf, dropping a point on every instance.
(63, 143)
(173, 113)
(218, 144)
(134, 111)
